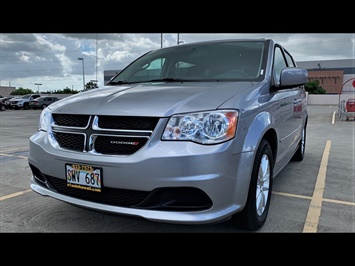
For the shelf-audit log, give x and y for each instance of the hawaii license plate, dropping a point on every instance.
(84, 177)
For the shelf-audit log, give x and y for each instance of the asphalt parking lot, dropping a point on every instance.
(316, 195)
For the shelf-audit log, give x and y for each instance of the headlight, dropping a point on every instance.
(208, 127)
(45, 124)
(45, 120)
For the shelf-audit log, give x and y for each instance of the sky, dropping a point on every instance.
(51, 59)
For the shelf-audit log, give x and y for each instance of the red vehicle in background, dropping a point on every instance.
(346, 109)
(350, 108)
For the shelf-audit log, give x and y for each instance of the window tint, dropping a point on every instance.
(289, 59)
(279, 64)
(150, 71)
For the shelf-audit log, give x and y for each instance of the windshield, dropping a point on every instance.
(215, 61)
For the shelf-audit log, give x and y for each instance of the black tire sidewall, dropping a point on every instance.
(248, 218)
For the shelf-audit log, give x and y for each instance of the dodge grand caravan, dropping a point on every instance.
(189, 134)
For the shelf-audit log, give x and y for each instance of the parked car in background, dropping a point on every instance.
(190, 134)
(42, 102)
(2, 106)
(23, 101)
(5, 101)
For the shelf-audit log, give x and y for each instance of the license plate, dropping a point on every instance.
(84, 177)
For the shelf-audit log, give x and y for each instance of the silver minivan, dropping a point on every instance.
(189, 134)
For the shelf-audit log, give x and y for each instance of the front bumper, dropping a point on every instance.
(210, 182)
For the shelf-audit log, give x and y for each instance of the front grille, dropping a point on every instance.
(71, 120)
(70, 141)
(126, 122)
(109, 135)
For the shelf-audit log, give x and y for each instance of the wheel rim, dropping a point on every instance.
(263, 183)
(303, 141)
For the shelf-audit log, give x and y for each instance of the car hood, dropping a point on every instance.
(153, 99)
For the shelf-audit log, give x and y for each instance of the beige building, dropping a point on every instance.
(5, 91)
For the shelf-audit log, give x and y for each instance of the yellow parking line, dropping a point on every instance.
(291, 195)
(10, 155)
(16, 149)
(310, 198)
(15, 194)
(340, 202)
(311, 224)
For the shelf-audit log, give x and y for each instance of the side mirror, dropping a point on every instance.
(293, 77)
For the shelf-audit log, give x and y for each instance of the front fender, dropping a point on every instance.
(260, 124)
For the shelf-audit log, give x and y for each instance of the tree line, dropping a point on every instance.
(22, 91)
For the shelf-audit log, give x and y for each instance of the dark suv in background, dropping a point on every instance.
(2, 106)
(190, 134)
(42, 102)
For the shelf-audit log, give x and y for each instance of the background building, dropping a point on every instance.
(108, 74)
(335, 76)
(5, 91)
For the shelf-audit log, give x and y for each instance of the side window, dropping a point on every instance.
(279, 64)
(289, 59)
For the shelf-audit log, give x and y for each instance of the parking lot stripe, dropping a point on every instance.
(15, 150)
(340, 202)
(309, 198)
(333, 117)
(17, 156)
(15, 194)
(312, 219)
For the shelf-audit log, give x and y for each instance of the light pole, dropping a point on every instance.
(82, 59)
(38, 86)
(178, 39)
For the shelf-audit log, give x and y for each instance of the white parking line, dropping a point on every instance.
(315, 207)
(333, 118)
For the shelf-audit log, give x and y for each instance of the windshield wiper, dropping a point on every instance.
(144, 81)
(165, 80)
(118, 82)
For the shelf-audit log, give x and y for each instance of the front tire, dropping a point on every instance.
(299, 155)
(255, 212)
